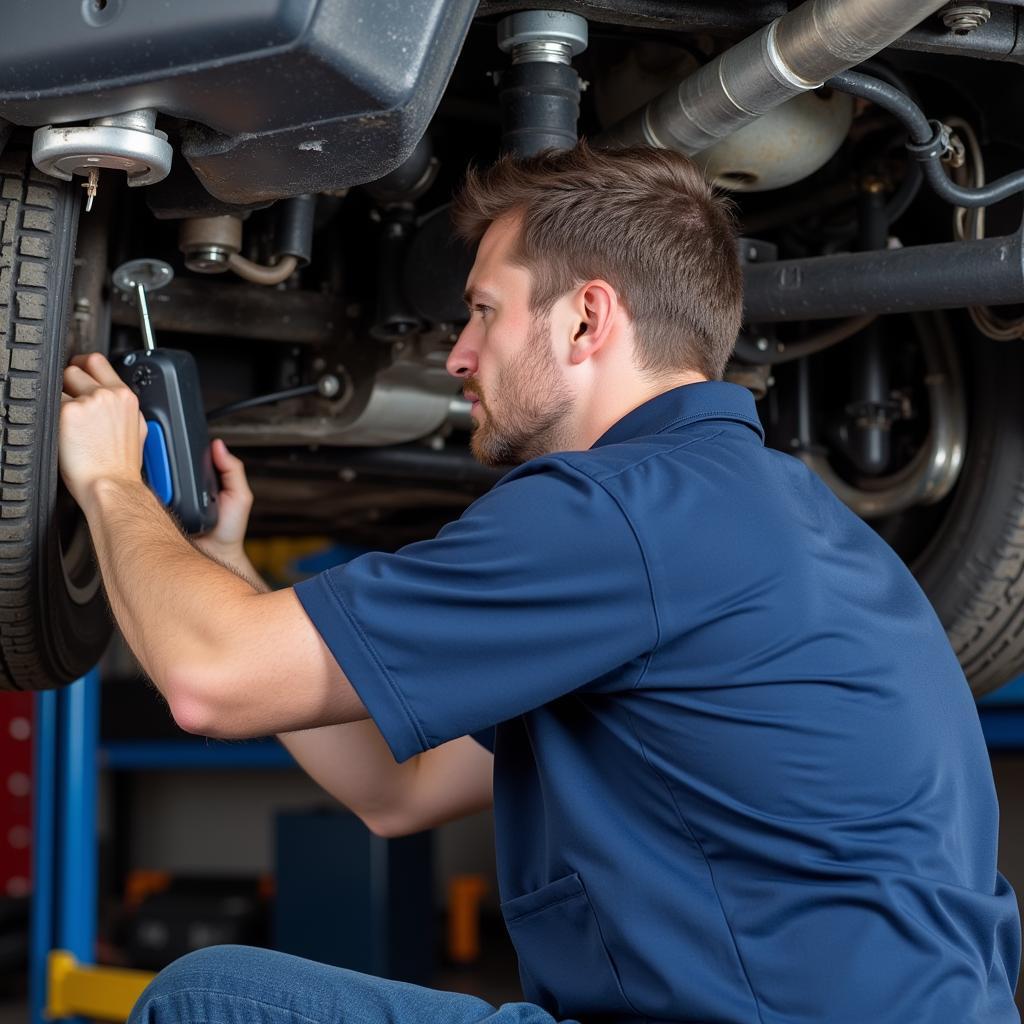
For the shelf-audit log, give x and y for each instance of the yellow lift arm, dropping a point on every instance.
(83, 990)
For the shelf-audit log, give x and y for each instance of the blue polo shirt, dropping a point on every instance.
(739, 775)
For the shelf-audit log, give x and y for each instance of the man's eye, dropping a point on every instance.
(482, 309)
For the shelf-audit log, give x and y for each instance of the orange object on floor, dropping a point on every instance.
(143, 882)
(464, 895)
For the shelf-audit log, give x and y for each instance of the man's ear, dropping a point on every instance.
(596, 306)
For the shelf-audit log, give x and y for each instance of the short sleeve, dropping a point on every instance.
(538, 589)
(485, 737)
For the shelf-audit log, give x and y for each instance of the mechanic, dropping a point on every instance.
(738, 775)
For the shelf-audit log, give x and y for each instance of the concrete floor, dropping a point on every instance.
(13, 1013)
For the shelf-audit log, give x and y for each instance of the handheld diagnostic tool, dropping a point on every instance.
(176, 458)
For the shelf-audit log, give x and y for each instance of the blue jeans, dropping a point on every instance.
(244, 985)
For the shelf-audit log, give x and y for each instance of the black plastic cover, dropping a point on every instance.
(283, 97)
(166, 382)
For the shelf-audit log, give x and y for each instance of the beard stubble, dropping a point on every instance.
(527, 411)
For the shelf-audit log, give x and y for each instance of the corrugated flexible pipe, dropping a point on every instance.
(789, 56)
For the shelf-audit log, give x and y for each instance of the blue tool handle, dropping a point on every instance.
(156, 463)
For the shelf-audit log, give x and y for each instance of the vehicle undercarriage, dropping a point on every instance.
(294, 164)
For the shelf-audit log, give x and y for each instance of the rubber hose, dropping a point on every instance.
(294, 236)
(260, 274)
(924, 142)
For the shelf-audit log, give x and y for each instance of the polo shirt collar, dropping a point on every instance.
(705, 400)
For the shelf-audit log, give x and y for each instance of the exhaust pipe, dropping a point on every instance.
(789, 56)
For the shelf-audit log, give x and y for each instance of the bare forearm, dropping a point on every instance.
(353, 763)
(235, 560)
(170, 602)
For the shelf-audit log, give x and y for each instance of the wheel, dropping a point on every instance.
(54, 622)
(973, 567)
(960, 532)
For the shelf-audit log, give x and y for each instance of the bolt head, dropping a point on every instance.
(329, 385)
(963, 18)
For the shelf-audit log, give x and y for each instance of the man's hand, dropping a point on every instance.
(225, 542)
(102, 431)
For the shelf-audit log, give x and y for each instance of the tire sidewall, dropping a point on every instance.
(966, 569)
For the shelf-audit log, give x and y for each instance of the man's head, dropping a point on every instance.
(601, 279)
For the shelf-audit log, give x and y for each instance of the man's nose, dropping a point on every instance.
(462, 360)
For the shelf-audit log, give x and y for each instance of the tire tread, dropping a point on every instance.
(28, 223)
(987, 628)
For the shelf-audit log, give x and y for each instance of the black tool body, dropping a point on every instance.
(176, 460)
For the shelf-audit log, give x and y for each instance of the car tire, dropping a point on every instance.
(54, 622)
(973, 567)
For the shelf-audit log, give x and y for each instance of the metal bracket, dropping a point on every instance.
(127, 142)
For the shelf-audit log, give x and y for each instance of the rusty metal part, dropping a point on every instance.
(208, 243)
(224, 309)
(792, 55)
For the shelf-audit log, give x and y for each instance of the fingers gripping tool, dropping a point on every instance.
(176, 458)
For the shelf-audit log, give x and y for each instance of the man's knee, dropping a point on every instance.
(216, 969)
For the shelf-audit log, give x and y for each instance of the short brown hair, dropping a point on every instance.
(645, 220)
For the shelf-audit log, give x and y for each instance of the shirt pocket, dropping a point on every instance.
(564, 965)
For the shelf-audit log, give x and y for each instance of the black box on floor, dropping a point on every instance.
(350, 898)
(192, 913)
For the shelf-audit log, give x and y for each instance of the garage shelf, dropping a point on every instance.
(1002, 717)
(178, 755)
(1003, 729)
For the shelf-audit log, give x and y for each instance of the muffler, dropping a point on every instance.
(789, 56)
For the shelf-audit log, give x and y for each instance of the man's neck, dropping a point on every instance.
(610, 405)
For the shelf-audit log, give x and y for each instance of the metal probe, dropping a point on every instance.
(148, 341)
(138, 277)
